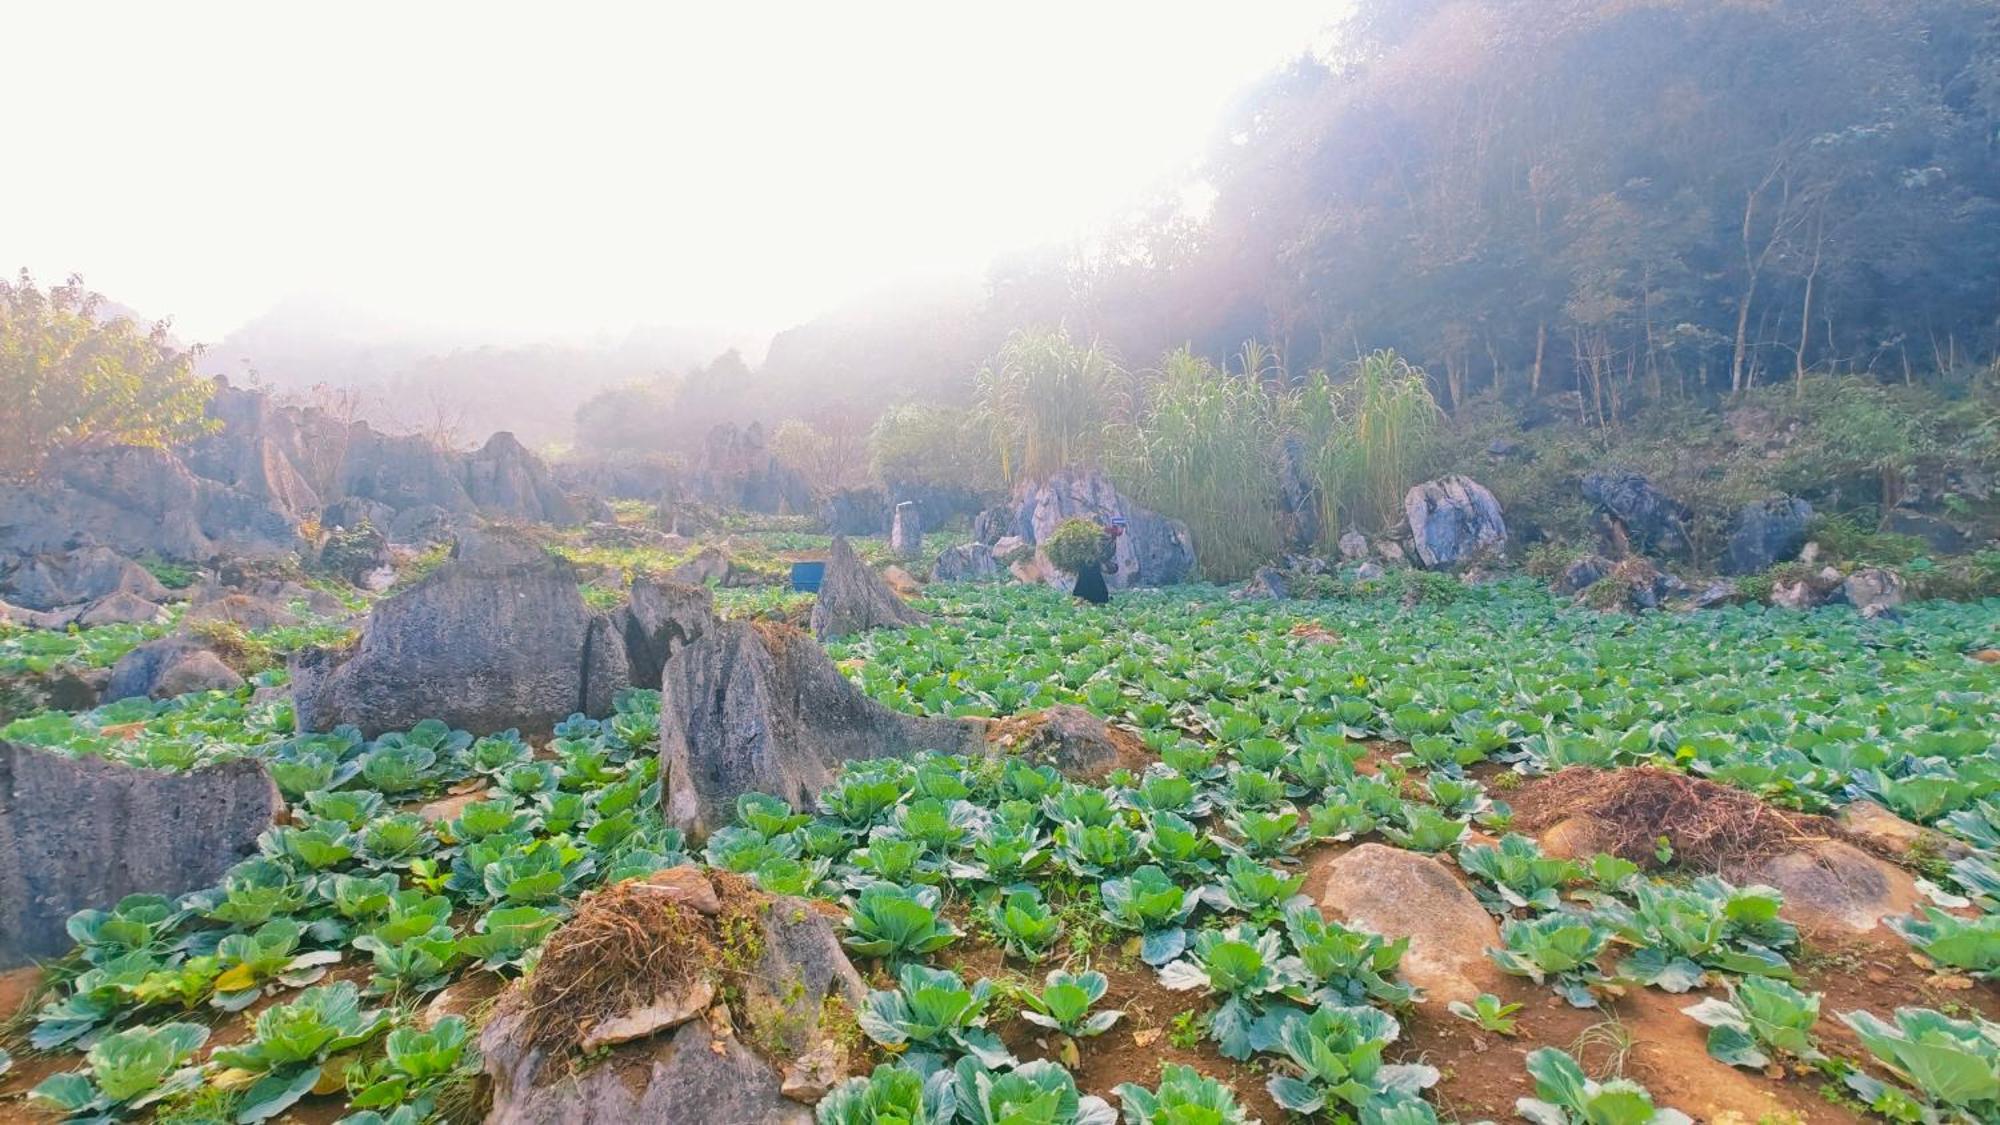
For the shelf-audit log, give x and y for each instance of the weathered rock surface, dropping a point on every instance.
(80, 833)
(970, 562)
(505, 481)
(696, 1073)
(1353, 546)
(1635, 516)
(70, 578)
(136, 501)
(660, 619)
(1399, 893)
(1454, 520)
(1267, 583)
(1582, 574)
(1077, 743)
(497, 637)
(1833, 884)
(1873, 591)
(736, 469)
(120, 609)
(1154, 551)
(759, 707)
(246, 611)
(700, 1070)
(1880, 828)
(1766, 533)
(906, 531)
(1299, 518)
(170, 666)
(708, 565)
(854, 599)
(855, 511)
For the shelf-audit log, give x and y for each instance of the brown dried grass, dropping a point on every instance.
(1711, 827)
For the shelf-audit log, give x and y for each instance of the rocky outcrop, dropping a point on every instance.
(660, 619)
(120, 609)
(170, 666)
(1874, 591)
(854, 599)
(245, 611)
(1582, 574)
(245, 489)
(1766, 534)
(1836, 885)
(138, 501)
(1633, 516)
(1266, 583)
(736, 470)
(1397, 894)
(1154, 551)
(1299, 519)
(1454, 520)
(505, 481)
(855, 511)
(757, 707)
(68, 578)
(1077, 743)
(497, 637)
(970, 562)
(80, 833)
(742, 1060)
(906, 531)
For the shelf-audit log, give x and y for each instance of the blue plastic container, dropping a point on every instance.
(806, 576)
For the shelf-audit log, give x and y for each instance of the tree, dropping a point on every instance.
(72, 376)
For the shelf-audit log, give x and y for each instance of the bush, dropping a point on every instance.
(938, 446)
(1074, 544)
(1847, 538)
(72, 376)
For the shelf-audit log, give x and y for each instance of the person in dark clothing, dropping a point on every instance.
(1090, 579)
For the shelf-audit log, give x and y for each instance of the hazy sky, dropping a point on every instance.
(574, 167)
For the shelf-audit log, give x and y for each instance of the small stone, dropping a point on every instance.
(686, 885)
(665, 1011)
(1987, 656)
(1146, 1037)
(807, 1078)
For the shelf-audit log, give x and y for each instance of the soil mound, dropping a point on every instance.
(1711, 827)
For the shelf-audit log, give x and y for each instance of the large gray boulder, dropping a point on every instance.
(1874, 590)
(742, 1061)
(167, 667)
(83, 832)
(497, 637)
(1154, 551)
(1634, 516)
(661, 618)
(758, 707)
(854, 599)
(968, 562)
(402, 472)
(855, 511)
(505, 481)
(1454, 520)
(138, 501)
(69, 578)
(1299, 518)
(1766, 533)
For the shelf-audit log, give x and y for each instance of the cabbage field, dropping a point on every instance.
(1148, 948)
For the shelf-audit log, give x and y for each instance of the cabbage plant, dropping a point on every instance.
(1559, 949)
(891, 1095)
(932, 1018)
(1185, 1096)
(1335, 1059)
(1761, 1020)
(1516, 874)
(897, 923)
(1969, 944)
(291, 1043)
(1951, 1064)
(1565, 1095)
(1347, 965)
(1064, 1003)
(124, 1072)
(1246, 967)
(1150, 903)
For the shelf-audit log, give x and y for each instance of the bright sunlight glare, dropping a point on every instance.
(576, 168)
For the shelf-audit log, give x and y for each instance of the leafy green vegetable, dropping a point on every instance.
(291, 1042)
(1185, 1096)
(1024, 925)
(1969, 944)
(1561, 948)
(1488, 1011)
(932, 1018)
(897, 923)
(1064, 1004)
(1564, 1095)
(126, 1071)
(1335, 1056)
(1248, 968)
(1953, 1064)
(1762, 1018)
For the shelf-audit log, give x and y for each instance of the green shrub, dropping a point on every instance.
(1074, 544)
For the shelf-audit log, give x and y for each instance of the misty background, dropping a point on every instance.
(483, 214)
